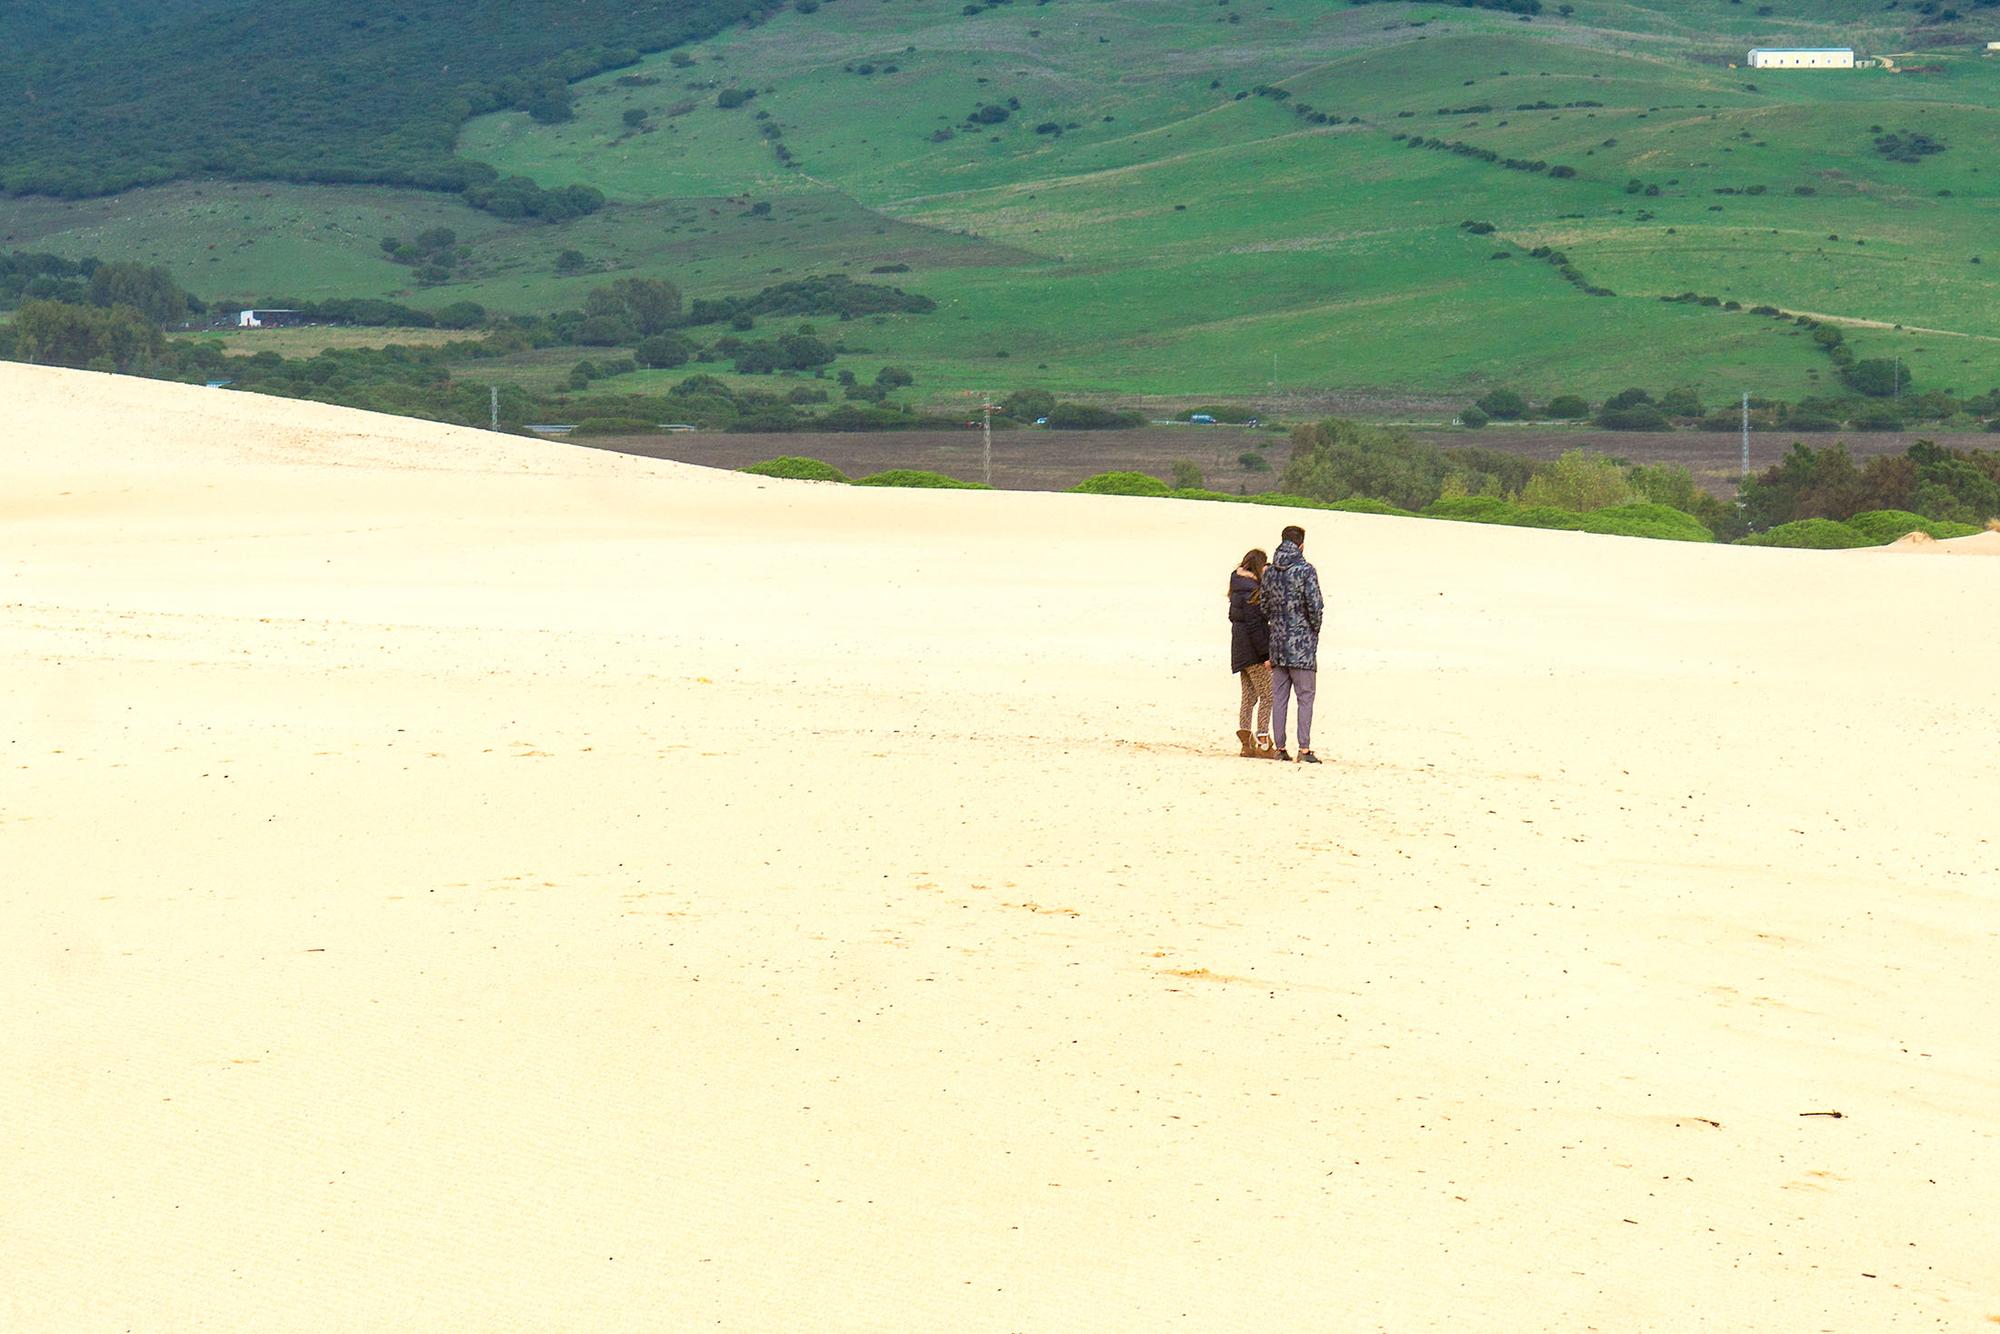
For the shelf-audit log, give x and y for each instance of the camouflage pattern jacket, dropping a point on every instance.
(1294, 607)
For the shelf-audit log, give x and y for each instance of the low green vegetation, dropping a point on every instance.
(1953, 486)
(796, 469)
(1884, 526)
(920, 478)
(1811, 535)
(360, 90)
(1146, 213)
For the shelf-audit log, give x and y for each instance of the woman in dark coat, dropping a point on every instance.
(1250, 656)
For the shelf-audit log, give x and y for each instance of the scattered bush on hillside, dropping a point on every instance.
(1503, 404)
(1683, 402)
(519, 197)
(1908, 146)
(919, 478)
(1472, 418)
(1881, 377)
(796, 468)
(664, 350)
(834, 294)
(1567, 407)
(1187, 475)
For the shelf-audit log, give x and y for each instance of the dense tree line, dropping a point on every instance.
(1958, 486)
(103, 95)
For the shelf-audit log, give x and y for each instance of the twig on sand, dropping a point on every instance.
(1835, 1115)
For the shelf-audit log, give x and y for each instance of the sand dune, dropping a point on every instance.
(455, 882)
(1923, 544)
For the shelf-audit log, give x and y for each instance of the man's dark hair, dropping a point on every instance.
(1294, 533)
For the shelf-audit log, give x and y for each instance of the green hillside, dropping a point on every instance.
(106, 94)
(1186, 197)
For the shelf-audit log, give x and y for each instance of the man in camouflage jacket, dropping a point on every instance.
(1294, 607)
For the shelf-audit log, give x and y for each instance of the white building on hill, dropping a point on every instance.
(1802, 57)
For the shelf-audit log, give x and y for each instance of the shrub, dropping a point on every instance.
(1253, 462)
(918, 477)
(1580, 480)
(1885, 526)
(1811, 535)
(1644, 417)
(1121, 484)
(1503, 404)
(1090, 417)
(1648, 520)
(1568, 407)
(1879, 377)
(1472, 418)
(1027, 404)
(1187, 475)
(1681, 403)
(797, 469)
(664, 350)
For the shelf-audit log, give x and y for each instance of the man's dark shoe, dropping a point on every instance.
(1285, 755)
(1307, 757)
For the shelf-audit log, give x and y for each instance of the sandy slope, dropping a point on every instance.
(449, 882)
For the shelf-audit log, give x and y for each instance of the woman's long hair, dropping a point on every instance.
(1254, 560)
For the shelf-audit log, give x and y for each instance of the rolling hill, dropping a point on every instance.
(1172, 197)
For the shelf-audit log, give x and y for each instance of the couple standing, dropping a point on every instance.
(1275, 609)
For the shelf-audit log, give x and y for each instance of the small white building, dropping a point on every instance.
(264, 319)
(1802, 57)
(1993, 46)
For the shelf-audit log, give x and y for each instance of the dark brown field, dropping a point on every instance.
(1041, 460)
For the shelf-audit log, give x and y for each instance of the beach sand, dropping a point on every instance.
(457, 882)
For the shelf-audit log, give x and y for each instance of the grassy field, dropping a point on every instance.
(1162, 235)
(310, 341)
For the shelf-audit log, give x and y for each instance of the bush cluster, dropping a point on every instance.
(1927, 480)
